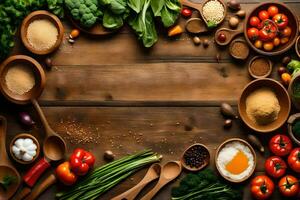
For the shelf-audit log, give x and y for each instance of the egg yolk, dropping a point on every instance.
(238, 164)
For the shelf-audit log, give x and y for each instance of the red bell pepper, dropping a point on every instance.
(81, 161)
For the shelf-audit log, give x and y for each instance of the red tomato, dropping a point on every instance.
(253, 33)
(280, 145)
(65, 175)
(263, 15)
(281, 20)
(261, 187)
(275, 166)
(186, 12)
(286, 32)
(294, 160)
(254, 21)
(268, 31)
(272, 10)
(288, 186)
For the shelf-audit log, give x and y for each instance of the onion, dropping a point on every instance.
(26, 119)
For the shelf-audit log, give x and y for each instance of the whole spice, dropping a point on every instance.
(281, 70)
(234, 5)
(286, 60)
(228, 111)
(197, 40)
(74, 34)
(48, 63)
(255, 142)
(109, 155)
(26, 119)
(260, 67)
(196, 156)
(241, 14)
(205, 43)
(227, 123)
(234, 22)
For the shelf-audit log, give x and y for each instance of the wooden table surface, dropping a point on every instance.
(123, 97)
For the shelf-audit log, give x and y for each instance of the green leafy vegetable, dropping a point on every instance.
(107, 176)
(293, 66)
(211, 24)
(112, 21)
(204, 185)
(136, 5)
(7, 181)
(157, 6)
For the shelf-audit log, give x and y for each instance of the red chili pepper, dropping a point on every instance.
(35, 172)
(81, 161)
(186, 12)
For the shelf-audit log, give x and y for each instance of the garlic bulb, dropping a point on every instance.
(24, 149)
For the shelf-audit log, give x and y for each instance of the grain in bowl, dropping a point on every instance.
(213, 11)
(235, 161)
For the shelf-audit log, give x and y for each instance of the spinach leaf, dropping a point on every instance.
(157, 6)
(168, 17)
(136, 5)
(111, 20)
(173, 5)
(118, 6)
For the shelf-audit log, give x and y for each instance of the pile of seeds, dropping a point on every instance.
(196, 156)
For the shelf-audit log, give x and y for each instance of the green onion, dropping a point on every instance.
(107, 176)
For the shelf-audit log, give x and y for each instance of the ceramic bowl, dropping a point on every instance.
(206, 162)
(24, 135)
(222, 146)
(293, 23)
(244, 57)
(283, 98)
(41, 14)
(264, 76)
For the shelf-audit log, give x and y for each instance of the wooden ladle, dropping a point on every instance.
(152, 174)
(6, 169)
(54, 147)
(169, 172)
(229, 34)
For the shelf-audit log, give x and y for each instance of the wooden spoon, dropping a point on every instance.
(152, 174)
(229, 34)
(196, 26)
(6, 168)
(168, 173)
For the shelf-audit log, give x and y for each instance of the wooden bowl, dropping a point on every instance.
(293, 23)
(224, 6)
(223, 145)
(41, 14)
(206, 162)
(297, 46)
(244, 57)
(40, 79)
(264, 76)
(292, 119)
(24, 135)
(283, 98)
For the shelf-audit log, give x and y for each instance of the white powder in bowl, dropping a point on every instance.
(42, 34)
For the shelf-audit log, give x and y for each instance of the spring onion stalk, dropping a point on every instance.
(107, 176)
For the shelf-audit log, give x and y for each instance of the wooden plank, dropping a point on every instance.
(123, 48)
(146, 82)
(167, 130)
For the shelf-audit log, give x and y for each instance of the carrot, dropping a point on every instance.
(176, 30)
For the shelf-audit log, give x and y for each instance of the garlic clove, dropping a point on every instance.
(19, 142)
(31, 153)
(32, 147)
(27, 142)
(26, 157)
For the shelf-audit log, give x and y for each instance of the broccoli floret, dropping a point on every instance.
(85, 11)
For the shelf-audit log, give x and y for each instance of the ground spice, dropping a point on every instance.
(20, 78)
(260, 67)
(42, 34)
(239, 49)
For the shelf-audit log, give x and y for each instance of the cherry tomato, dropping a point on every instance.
(272, 10)
(284, 40)
(288, 186)
(294, 160)
(281, 70)
(258, 44)
(263, 15)
(254, 21)
(286, 32)
(280, 145)
(185, 12)
(262, 187)
(222, 37)
(253, 33)
(286, 78)
(281, 20)
(275, 166)
(276, 41)
(268, 46)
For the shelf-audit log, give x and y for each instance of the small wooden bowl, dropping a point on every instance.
(297, 46)
(40, 79)
(42, 14)
(283, 98)
(24, 136)
(246, 144)
(224, 6)
(244, 57)
(264, 76)
(292, 119)
(293, 23)
(206, 162)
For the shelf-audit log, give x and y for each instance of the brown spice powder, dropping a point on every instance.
(260, 67)
(240, 50)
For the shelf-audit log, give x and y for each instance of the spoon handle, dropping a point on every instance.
(196, 6)
(3, 154)
(161, 183)
(38, 190)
